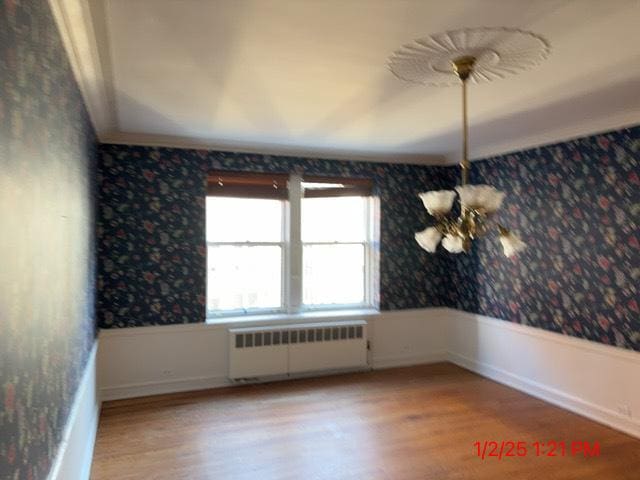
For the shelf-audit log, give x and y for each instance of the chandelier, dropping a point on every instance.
(481, 54)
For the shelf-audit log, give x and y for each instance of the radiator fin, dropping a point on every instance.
(293, 336)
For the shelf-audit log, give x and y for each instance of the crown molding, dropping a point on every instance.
(147, 140)
(591, 126)
(81, 24)
(574, 131)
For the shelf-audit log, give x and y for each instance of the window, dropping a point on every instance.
(280, 244)
(334, 250)
(245, 254)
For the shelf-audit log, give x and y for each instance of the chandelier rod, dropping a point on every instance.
(465, 135)
(463, 67)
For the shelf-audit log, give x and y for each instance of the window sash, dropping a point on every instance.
(256, 310)
(367, 249)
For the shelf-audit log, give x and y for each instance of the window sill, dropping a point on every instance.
(287, 318)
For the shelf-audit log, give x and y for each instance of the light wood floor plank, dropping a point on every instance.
(398, 424)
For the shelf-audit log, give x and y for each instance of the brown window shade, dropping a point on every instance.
(336, 187)
(247, 185)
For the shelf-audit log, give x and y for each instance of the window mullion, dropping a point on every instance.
(295, 250)
(368, 252)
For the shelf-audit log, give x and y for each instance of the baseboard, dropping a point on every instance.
(202, 383)
(161, 387)
(551, 395)
(406, 360)
(75, 453)
(549, 358)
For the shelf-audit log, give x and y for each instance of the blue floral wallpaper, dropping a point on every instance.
(577, 205)
(47, 321)
(151, 240)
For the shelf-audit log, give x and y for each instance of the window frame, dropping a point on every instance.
(292, 248)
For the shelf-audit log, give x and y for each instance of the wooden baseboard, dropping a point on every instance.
(406, 360)
(160, 387)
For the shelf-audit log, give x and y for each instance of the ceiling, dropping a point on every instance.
(310, 76)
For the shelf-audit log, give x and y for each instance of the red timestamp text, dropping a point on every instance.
(500, 449)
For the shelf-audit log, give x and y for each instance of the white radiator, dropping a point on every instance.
(291, 349)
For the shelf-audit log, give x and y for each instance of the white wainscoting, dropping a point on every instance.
(408, 337)
(135, 362)
(141, 361)
(75, 453)
(594, 380)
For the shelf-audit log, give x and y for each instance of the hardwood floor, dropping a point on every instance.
(407, 423)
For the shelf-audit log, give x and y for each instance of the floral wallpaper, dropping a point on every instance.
(151, 240)
(577, 205)
(47, 321)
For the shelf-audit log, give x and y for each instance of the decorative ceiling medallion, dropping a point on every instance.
(498, 52)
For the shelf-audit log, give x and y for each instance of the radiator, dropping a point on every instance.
(292, 349)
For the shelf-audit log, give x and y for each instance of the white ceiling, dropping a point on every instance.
(310, 76)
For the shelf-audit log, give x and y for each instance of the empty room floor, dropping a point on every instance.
(418, 422)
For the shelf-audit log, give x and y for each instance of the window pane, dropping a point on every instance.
(333, 274)
(334, 219)
(244, 277)
(243, 219)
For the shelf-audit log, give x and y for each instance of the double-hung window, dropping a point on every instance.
(278, 243)
(246, 243)
(336, 243)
